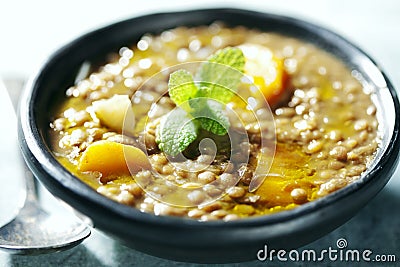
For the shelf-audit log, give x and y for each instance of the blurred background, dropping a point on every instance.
(31, 30)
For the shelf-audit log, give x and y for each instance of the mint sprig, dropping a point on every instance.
(203, 103)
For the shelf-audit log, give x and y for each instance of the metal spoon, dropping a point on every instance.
(33, 230)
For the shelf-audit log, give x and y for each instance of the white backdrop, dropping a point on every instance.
(31, 30)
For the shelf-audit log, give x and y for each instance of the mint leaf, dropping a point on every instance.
(215, 91)
(229, 56)
(221, 75)
(211, 116)
(181, 86)
(200, 105)
(176, 131)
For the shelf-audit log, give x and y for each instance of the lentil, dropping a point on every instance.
(299, 195)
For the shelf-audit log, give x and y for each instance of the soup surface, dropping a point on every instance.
(287, 124)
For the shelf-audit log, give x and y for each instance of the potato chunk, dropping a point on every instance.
(116, 113)
(110, 157)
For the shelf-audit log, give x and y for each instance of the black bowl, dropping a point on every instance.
(184, 239)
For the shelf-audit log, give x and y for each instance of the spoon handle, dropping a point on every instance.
(13, 195)
(14, 88)
(31, 185)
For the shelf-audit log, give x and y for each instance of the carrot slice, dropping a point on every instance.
(267, 71)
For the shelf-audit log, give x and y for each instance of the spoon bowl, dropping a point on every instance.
(33, 230)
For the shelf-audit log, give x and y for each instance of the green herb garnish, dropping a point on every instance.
(176, 132)
(211, 116)
(181, 87)
(218, 81)
(200, 104)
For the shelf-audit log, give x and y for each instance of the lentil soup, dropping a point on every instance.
(318, 133)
